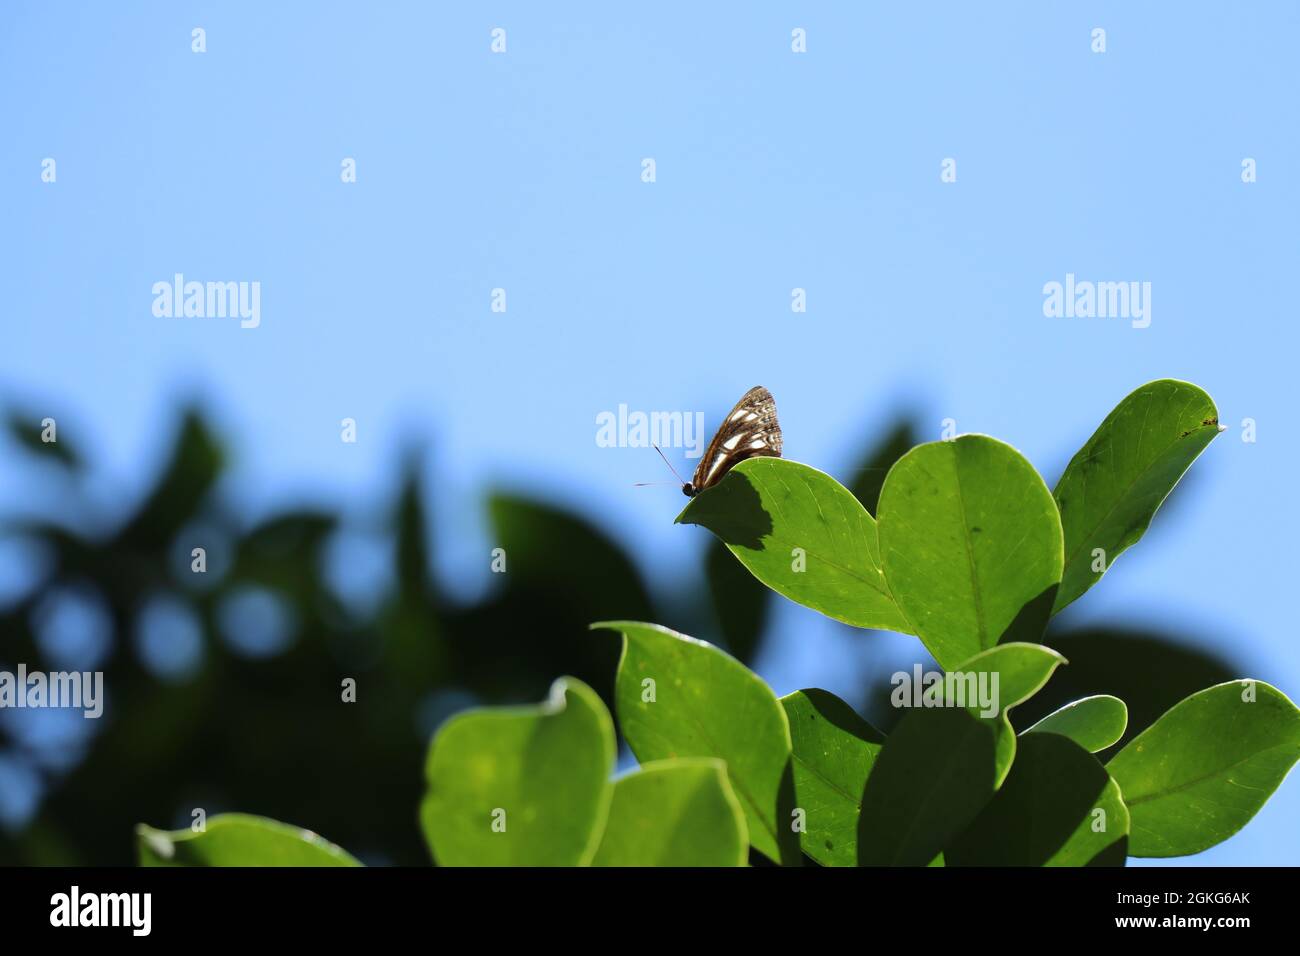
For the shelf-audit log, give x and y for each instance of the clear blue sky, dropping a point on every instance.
(775, 170)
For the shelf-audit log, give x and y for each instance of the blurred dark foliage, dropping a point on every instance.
(866, 480)
(271, 734)
(1149, 671)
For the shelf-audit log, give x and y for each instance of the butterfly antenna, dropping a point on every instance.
(669, 464)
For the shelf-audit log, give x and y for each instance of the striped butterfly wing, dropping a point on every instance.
(750, 430)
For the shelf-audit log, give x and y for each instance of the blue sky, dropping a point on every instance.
(774, 170)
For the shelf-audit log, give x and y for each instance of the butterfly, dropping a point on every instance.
(750, 430)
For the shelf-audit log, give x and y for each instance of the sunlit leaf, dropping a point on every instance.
(1115, 483)
(971, 545)
(834, 749)
(237, 839)
(1094, 723)
(521, 786)
(804, 535)
(679, 697)
(1199, 773)
(675, 813)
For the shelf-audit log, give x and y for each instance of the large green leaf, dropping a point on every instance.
(834, 749)
(1058, 807)
(971, 544)
(1094, 723)
(521, 786)
(804, 535)
(238, 839)
(675, 813)
(679, 697)
(1115, 483)
(934, 774)
(1199, 773)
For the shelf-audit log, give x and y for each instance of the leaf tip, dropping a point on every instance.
(158, 842)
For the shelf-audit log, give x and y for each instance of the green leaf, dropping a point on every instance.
(1115, 483)
(934, 774)
(521, 786)
(238, 839)
(1016, 672)
(1199, 773)
(804, 535)
(971, 544)
(679, 697)
(675, 813)
(1094, 723)
(834, 749)
(1058, 807)
(1021, 670)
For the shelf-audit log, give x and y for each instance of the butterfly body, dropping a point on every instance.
(750, 430)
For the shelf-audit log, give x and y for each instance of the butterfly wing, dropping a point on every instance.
(750, 430)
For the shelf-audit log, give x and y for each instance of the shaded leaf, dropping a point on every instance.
(521, 786)
(675, 813)
(932, 777)
(1057, 807)
(971, 545)
(1113, 486)
(1147, 670)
